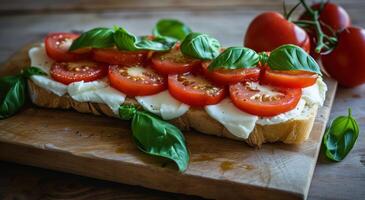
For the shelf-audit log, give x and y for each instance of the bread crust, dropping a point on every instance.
(293, 131)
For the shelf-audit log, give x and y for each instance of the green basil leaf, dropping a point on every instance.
(263, 58)
(235, 58)
(126, 112)
(340, 137)
(13, 91)
(291, 57)
(171, 28)
(32, 71)
(94, 38)
(200, 46)
(159, 138)
(127, 41)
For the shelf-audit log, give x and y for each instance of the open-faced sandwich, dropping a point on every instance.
(178, 78)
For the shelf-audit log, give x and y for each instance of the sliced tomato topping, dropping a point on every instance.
(117, 57)
(136, 80)
(68, 72)
(289, 78)
(194, 90)
(57, 45)
(173, 62)
(231, 76)
(267, 101)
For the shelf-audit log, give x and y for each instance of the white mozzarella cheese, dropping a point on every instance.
(53, 86)
(163, 104)
(38, 58)
(97, 92)
(315, 94)
(283, 117)
(234, 120)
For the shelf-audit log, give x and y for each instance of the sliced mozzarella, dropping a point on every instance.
(163, 104)
(48, 84)
(315, 94)
(38, 58)
(96, 91)
(283, 117)
(233, 119)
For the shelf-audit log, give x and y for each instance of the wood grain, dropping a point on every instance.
(344, 180)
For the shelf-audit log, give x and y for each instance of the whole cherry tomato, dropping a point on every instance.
(333, 16)
(270, 30)
(346, 62)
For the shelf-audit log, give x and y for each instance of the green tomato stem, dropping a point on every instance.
(316, 23)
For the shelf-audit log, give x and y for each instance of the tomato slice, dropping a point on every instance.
(252, 98)
(57, 45)
(231, 76)
(68, 72)
(289, 78)
(194, 90)
(136, 80)
(117, 57)
(173, 62)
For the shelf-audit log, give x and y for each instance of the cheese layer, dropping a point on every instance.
(163, 104)
(98, 91)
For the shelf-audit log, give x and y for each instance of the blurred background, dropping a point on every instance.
(23, 22)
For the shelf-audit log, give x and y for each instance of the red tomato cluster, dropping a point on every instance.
(344, 63)
(139, 73)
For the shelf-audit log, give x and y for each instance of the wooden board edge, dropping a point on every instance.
(90, 167)
(329, 101)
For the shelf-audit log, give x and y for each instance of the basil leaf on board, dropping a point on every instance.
(160, 138)
(94, 38)
(200, 46)
(340, 137)
(127, 41)
(291, 57)
(171, 28)
(155, 136)
(13, 91)
(235, 58)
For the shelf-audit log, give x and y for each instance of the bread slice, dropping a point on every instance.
(294, 131)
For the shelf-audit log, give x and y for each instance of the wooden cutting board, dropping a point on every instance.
(102, 148)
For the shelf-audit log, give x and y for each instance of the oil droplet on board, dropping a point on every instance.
(226, 165)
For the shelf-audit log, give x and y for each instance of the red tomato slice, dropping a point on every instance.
(173, 62)
(57, 45)
(289, 78)
(251, 99)
(135, 80)
(226, 77)
(194, 90)
(68, 72)
(117, 57)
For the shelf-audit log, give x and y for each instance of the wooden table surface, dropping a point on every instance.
(22, 22)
